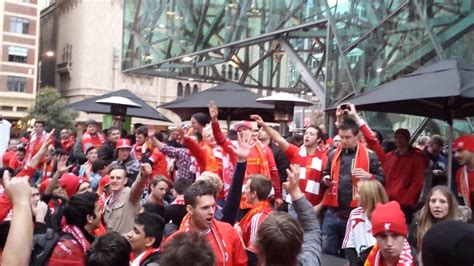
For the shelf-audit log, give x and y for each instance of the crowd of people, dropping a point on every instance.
(247, 196)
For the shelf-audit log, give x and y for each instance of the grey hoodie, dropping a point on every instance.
(311, 252)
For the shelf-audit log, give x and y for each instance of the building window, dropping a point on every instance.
(195, 88)
(180, 90)
(19, 25)
(16, 84)
(6, 108)
(22, 109)
(187, 89)
(17, 54)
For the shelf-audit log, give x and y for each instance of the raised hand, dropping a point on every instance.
(181, 134)
(62, 167)
(213, 111)
(39, 211)
(258, 119)
(146, 169)
(18, 188)
(292, 182)
(244, 140)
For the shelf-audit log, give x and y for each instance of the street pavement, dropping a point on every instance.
(328, 260)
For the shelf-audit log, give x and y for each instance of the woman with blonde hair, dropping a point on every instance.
(358, 239)
(440, 205)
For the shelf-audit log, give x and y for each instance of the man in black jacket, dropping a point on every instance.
(347, 164)
(107, 150)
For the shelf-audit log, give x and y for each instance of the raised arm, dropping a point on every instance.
(20, 234)
(311, 252)
(232, 202)
(42, 151)
(282, 143)
(216, 129)
(139, 185)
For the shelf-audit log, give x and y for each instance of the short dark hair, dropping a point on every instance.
(318, 130)
(78, 207)
(198, 189)
(280, 239)
(160, 178)
(111, 129)
(184, 246)
(349, 124)
(110, 249)
(154, 208)
(181, 184)
(261, 185)
(90, 149)
(98, 165)
(143, 130)
(39, 122)
(438, 140)
(202, 118)
(153, 226)
(21, 149)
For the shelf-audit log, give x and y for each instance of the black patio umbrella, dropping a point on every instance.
(443, 90)
(234, 101)
(91, 106)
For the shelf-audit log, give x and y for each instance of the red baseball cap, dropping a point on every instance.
(44, 184)
(465, 142)
(389, 218)
(123, 143)
(243, 123)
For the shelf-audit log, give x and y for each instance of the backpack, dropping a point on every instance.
(43, 246)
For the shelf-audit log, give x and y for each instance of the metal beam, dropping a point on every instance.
(313, 84)
(238, 44)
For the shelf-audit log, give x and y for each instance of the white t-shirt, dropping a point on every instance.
(358, 231)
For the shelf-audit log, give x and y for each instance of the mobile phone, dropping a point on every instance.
(345, 107)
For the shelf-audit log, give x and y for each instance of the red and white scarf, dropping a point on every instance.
(405, 259)
(142, 257)
(78, 236)
(88, 140)
(178, 201)
(463, 179)
(212, 233)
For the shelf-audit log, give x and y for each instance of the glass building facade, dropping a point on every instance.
(332, 49)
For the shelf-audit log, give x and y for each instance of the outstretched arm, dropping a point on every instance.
(274, 135)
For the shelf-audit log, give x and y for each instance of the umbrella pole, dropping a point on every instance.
(228, 121)
(450, 151)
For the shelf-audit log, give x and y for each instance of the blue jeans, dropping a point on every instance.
(333, 230)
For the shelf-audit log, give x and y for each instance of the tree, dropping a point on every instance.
(49, 107)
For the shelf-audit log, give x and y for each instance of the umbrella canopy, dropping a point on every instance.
(234, 101)
(443, 90)
(91, 106)
(284, 97)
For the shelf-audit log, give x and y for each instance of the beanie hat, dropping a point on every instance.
(465, 142)
(202, 118)
(449, 243)
(70, 183)
(388, 218)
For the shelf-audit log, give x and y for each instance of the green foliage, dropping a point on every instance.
(49, 108)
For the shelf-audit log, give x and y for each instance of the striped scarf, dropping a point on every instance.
(405, 259)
